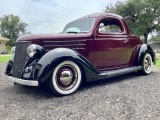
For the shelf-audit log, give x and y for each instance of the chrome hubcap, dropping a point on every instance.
(147, 63)
(66, 77)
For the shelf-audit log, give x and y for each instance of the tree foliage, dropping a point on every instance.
(143, 16)
(12, 27)
(155, 38)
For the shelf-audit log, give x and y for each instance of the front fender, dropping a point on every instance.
(51, 59)
(9, 66)
(145, 48)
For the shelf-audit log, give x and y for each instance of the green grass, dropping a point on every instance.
(4, 58)
(158, 62)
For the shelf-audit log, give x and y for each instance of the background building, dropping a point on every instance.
(3, 41)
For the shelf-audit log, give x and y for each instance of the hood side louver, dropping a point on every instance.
(72, 44)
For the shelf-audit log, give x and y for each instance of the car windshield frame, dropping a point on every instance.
(78, 26)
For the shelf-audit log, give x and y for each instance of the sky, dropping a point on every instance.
(50, 16)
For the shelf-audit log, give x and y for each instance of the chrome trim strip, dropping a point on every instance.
(64, 45)
(66, 41)
(21, 81)
(72, 48)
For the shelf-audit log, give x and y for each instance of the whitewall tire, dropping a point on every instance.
(147, 64)
(66, 78)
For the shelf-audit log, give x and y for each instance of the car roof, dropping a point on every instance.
(99, 15)
(103, 14)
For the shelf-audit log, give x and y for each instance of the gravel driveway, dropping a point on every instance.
(127, 97)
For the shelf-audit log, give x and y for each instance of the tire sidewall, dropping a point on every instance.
(54, 85)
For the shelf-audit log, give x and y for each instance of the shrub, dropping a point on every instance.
(8, 49)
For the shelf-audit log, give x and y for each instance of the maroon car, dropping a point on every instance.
(91, 48)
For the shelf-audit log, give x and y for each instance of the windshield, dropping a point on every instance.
(83, 25)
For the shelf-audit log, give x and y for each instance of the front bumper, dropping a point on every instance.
(21, 81)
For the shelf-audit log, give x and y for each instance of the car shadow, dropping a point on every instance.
(44, 91)
(111, 80)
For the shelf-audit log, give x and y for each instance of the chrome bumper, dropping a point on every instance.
(21, 81)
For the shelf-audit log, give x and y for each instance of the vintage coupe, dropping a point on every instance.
(94, 47)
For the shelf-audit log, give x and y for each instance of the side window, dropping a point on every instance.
(110, 26)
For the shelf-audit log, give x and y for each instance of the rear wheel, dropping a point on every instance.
(146, 64)
(66, 78)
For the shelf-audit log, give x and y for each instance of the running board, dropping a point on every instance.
(112, 73)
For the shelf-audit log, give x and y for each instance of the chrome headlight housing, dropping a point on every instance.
(31, 50)
(13, 50)
(35, 51)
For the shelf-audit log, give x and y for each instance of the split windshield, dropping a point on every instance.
(82, 25)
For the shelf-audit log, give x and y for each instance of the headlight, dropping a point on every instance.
(31, 50)
(13, 50)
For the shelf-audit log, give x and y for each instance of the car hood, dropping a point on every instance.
(39, 37)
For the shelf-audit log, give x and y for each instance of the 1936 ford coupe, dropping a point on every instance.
(91, 48)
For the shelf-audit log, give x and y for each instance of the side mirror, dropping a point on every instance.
(101, 25)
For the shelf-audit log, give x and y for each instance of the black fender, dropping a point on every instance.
(46, 65)
(9, 66)
(143, 50)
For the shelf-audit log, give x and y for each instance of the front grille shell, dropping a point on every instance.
(20, 59)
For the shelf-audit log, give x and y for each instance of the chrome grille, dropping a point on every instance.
(20, 59)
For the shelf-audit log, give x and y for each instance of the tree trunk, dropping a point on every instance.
(145, 37)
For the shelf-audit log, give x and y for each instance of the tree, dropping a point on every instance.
(155, 38)
(143, 16)
(12, 27)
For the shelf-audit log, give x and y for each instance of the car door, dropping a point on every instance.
(111, 45)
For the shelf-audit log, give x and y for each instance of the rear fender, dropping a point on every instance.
(143, 50)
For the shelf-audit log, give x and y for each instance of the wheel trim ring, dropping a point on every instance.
(79, 79)
(72, 83)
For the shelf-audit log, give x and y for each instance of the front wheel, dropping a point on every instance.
(66, 78)
(146, 64)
